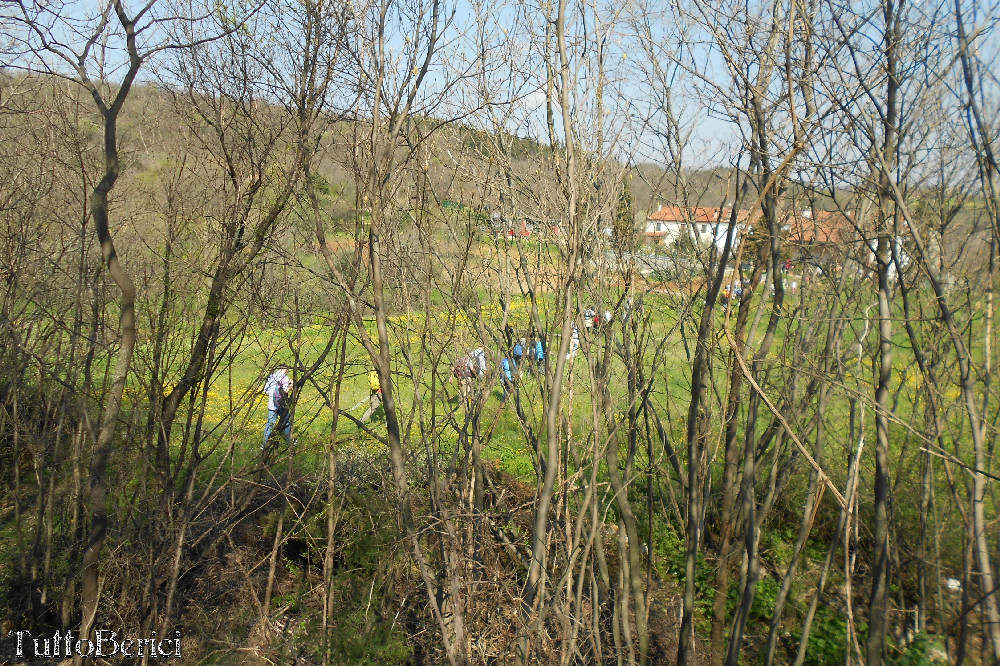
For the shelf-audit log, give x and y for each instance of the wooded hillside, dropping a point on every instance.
(506, 421)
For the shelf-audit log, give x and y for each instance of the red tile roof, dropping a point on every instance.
(811, 227)
(697, 215)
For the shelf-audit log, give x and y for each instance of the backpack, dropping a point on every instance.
(276, 388)
(281, 399)
(462, 368)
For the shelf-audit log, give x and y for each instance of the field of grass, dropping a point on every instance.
(235, 405)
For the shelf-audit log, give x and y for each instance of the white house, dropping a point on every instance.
(703, 225)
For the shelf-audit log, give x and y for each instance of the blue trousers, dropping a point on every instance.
(277, 417)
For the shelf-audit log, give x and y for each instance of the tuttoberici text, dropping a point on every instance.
(106, 643)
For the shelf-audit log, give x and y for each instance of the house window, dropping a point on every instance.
(704, 228)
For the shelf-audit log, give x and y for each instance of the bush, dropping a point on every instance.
(924, 650)
(827, 639)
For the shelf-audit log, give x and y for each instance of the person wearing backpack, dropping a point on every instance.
(574, 343)
(540, 355)
(278, 389)
(509, 368)
(464, 371)
(519, 351)
(478, 364)
(375, 397)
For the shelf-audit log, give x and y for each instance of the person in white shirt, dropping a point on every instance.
(278, 389)
(574, 344)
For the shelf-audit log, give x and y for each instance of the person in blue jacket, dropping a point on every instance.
(509, 367)
(535, 349)
(518, 352)
(540, 355)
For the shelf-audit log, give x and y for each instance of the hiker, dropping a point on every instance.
(478, 362)
(375, 398)
(278, 389)
(535, 351)
(627, 310)
(574, 343)
(465, 371)
(507, 378)
(518, 351)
